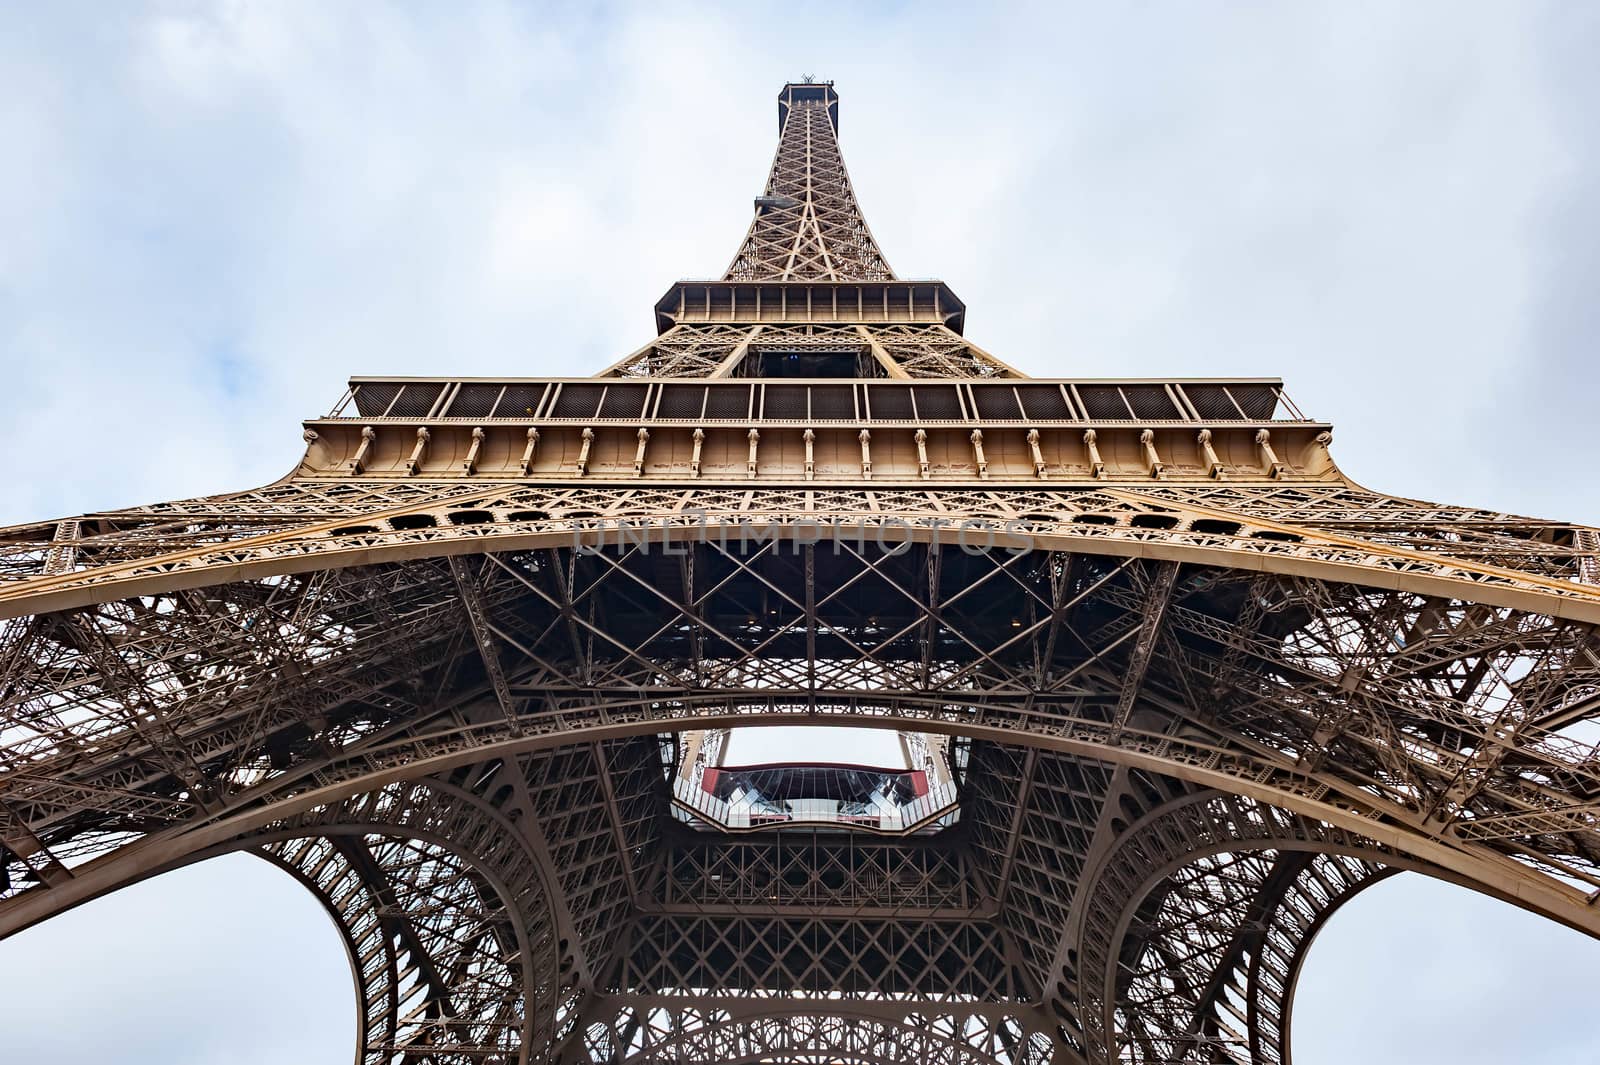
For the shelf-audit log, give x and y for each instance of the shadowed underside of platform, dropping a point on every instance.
(1190, 687)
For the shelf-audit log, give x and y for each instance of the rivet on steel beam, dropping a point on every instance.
(1158, 469)
(638, 455)
(583, 452)
(1038, 456)
(1090, 442)
(527, 452)
(368, 435)
(1213, 464)
(977, 452)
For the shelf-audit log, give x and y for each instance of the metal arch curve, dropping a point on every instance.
(1209, 824)
(1232, 1005)
(490, 885)
(1288, 978)
(1311, 552)
(1228, 766)
(344, 927)
(177, 733)
(413, 763)
(1175, 836)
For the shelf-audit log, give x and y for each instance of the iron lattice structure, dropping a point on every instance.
(1193, 686)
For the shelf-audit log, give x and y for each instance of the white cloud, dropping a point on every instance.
(213, 213)
(1417, 971)
(230, 960)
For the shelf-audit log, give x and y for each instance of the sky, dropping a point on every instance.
(211, 214)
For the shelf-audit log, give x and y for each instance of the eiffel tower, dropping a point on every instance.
(1171, 688)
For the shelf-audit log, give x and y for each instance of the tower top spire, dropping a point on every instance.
(809, 90)
(807, 225)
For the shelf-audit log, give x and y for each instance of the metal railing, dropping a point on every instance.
(937, 808)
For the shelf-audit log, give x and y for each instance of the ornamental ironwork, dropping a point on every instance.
(1170, 687)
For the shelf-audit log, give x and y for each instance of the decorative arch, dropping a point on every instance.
(446, 917)
(1173, 581)
(367, 638)
(1293, 694)
(1196, 925)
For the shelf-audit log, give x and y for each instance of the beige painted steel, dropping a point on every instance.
(1197, 687)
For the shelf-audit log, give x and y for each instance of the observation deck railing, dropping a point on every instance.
(935, 809)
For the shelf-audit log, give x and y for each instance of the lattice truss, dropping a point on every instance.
(808, 225)
(1300, 524)
(149, 730)
(716, 350)
(1201, 716)
(935, 351)
(444, 917)
(720, 1034)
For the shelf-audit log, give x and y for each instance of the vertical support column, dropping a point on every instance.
(415, 461)
(1147, 441)
(638, 455)
(583, 452)
(470, 465)
(527, 452)
(1213, 464)
(1269, 458)
(977, 454)
(359, 463)
(1097, 467)
(63, 554)
(1038, 456)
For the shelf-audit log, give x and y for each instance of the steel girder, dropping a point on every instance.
(1211, 689)
(1244, 683)
(699, 350)
(1425, 715)
(447, 917)
(1189, 941)
(1330, 532)
(709, 1031)
(477, 906)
